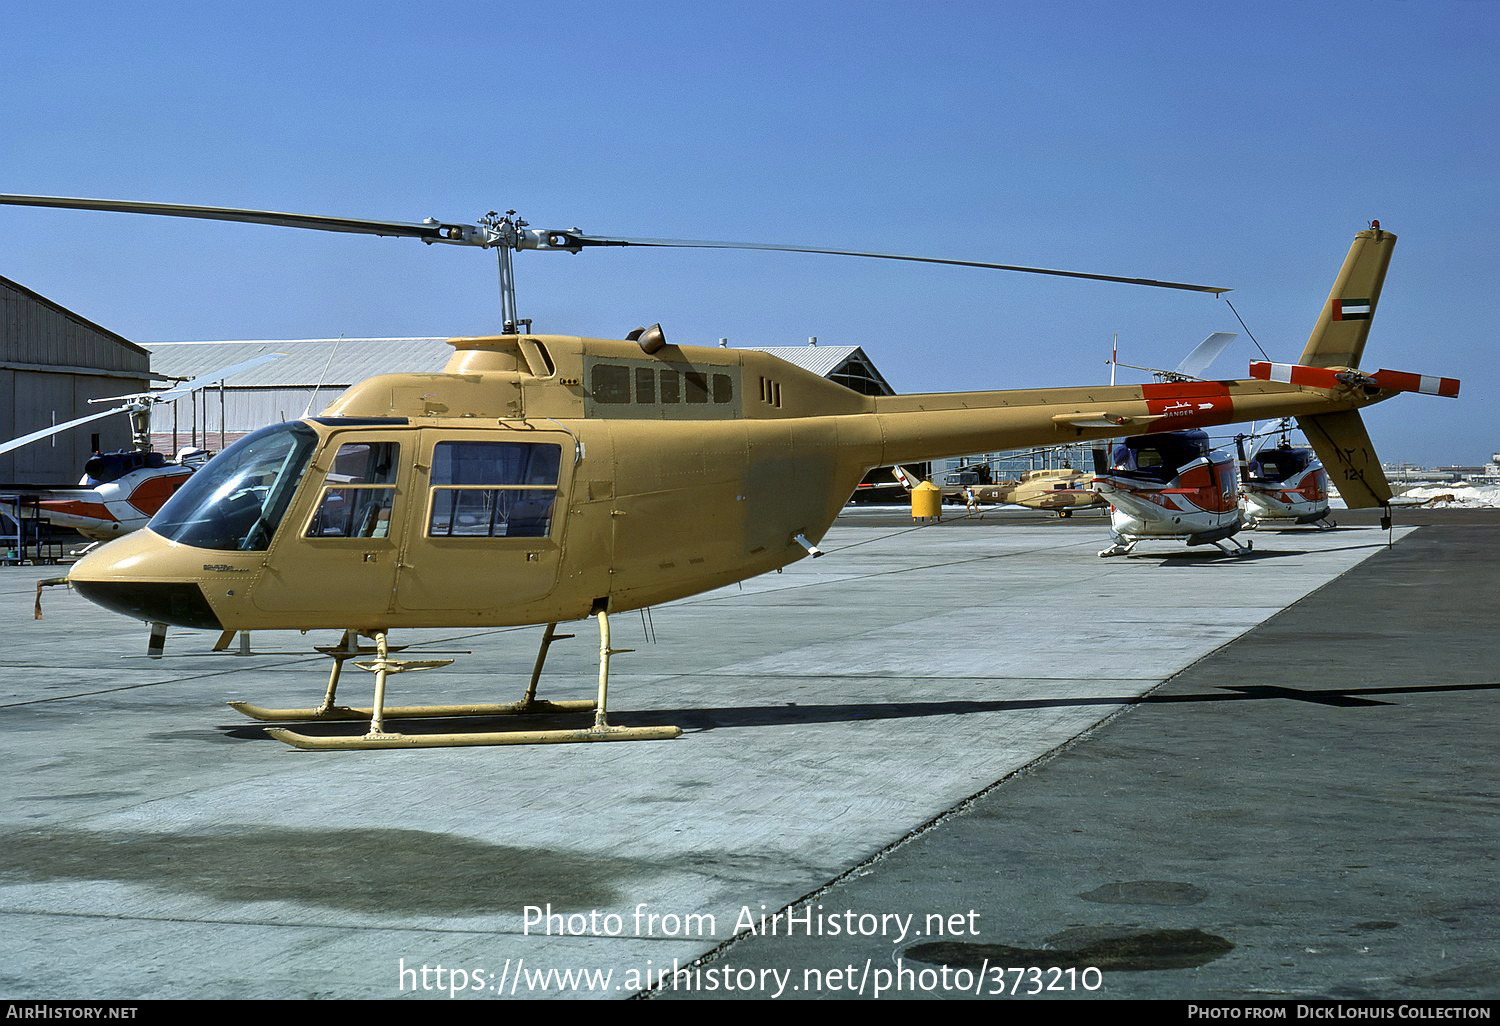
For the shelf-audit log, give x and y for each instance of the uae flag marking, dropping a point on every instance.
(1351, 309)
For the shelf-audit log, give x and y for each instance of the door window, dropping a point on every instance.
(358, 493)
(493, 489)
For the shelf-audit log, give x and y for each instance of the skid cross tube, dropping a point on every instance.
(382, 666)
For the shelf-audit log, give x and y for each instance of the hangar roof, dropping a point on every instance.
(36, 330)
(333, 362)
(848, 365)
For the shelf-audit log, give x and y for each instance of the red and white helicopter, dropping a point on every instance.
(1284, 485)
(1171, 486)
(120, 491)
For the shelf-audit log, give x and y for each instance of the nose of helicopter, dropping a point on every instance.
(146, 577)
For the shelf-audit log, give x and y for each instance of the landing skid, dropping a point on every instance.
(383, 665)
(1324, 523)
(473, 738)
(1123, 548)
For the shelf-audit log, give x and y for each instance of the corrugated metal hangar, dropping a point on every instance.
(52, 361)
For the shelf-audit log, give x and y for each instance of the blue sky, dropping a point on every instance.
(1228, 144)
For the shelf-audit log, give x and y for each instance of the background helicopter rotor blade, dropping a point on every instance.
(428, 231)
(37, 436)
(1205, 353)
(142, 400)
(177, 391)
(584, 241)
(204, 380)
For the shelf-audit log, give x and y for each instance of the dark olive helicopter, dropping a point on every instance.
(546, 478)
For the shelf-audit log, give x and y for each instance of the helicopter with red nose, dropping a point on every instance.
(121, 491)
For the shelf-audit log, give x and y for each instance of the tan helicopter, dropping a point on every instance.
(1053, 489)
(545, 478)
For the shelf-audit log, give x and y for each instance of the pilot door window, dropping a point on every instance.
(358, 493)
(493, 489)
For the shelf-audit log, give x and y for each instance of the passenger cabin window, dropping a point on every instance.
(611, 383)
(619, 384)
(645, 385)
(670, 387)
(494, 489)
(358, 493)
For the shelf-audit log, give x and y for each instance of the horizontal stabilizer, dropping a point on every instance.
(1344, 446)
(1327, 377)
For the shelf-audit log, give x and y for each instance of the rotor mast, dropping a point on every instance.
(507, 229)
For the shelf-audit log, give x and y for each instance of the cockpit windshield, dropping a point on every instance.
(237, 500)
(1159, 457)
(1279, 464)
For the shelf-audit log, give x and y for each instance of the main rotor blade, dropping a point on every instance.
(37, 436)
(604, 240)
(540, 239)
(427, 231)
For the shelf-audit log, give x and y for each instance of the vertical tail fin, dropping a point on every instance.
(1344, 446)
(1339, 338)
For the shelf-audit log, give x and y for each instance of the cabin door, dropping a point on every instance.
(336, 548)
(485, 537)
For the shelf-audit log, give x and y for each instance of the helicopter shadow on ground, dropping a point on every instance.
(1189, 557)
(793, 714)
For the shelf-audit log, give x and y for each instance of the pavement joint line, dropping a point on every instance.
(878, 676)
(964, 805)
(1105, 572)
(714, 597)
(284, 924)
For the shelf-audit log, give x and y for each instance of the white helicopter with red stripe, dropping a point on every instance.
(1289, 484)
(120, 491)
(1283, 485)
(1171, 486)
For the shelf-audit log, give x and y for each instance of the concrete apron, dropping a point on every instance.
(157, 846)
